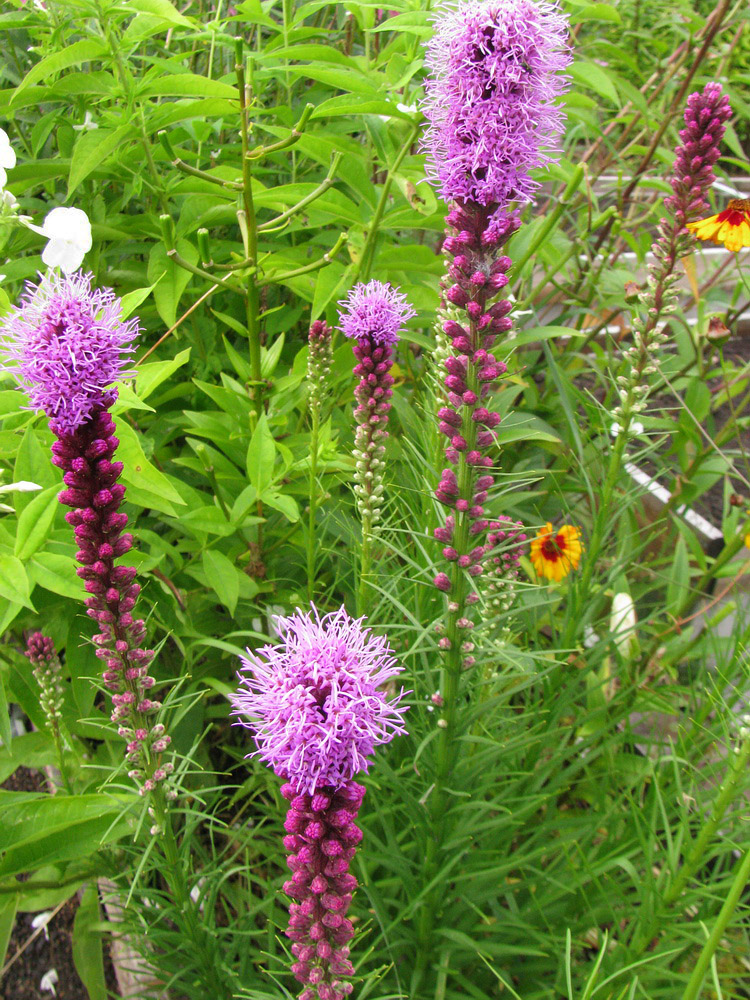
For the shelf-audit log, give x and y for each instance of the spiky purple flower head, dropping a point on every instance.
(377, 311)
(315, 700)
(69, 345)
(495, 68)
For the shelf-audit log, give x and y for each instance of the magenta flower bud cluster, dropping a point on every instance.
(322, 836)
(90, 475)
(495, 77)
(705, 123)
(477, 273)
(373, 316)
(318, 362)
(40, 650)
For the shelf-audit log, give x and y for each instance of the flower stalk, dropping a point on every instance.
(318, 370)
(705, 117)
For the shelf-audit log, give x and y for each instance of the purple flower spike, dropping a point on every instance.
(375, 311)
(491, 100)
(68, 342)
(315, 700)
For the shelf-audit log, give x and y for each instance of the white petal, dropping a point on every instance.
(63, 254)
(49, 981)
(7, 153)
(69, 224)
(21, 487)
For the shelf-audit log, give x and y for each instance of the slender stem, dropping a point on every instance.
(552, 219)
(368, 251)
(313, 490)
(697, 855)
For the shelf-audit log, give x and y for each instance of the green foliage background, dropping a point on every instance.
(572, 811)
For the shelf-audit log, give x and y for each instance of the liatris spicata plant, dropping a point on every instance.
(373, 316)
(316, 705)
(495, 76)
(67, 345)
(705, 117)
(318, 370)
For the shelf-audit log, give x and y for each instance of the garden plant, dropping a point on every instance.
(375, 499)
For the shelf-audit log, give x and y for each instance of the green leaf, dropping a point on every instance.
(678, 587)
(139, 472)
(286, 504)
(35, 523)
(131, 300)
(163, 9)
(593, 77)
(543, 333)
(222, 578)
(32, 466)
(151, 376)
(596, 12)
(57, 573)
(91, 150)
(5, 732)
(519, 426)
(174, 279)
(87, 945)
(188, 85)
(14, 583)
(71, 55)
(8, 906)
(32, 750)
(261, 455)
(41, 830)
(346, 105)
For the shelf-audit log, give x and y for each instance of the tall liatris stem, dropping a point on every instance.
(68, 344)
(373, 316)
(491, 107)
(317, 705)
(318, 369)
(705, 117)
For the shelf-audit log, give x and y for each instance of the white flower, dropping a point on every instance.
(41, 920)
(69, 233)
(622, 624)
(590, 638)
(87, 123)
(8, 203)
(636, 428)
(48, 982)
(7, 157)
(20, 487)
(408, 109)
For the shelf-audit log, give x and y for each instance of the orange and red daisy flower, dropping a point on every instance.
(730, 227)
(554, 553)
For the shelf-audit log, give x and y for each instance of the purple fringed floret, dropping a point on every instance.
(376, 311)
(495, 70)
(66, 343)
(315, 700)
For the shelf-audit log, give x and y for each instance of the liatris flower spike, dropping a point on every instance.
(495, 76)
(373, 316)
(66, 345)
(318, 709)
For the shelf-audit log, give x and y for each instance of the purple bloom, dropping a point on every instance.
(68, 342)
(491, 101)
(314, 700)
(376, 311)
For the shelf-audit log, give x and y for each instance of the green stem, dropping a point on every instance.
(722, 921)
(365, 261)
(313, 489)
(697, 855)
(447, 750)
(552, 219)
